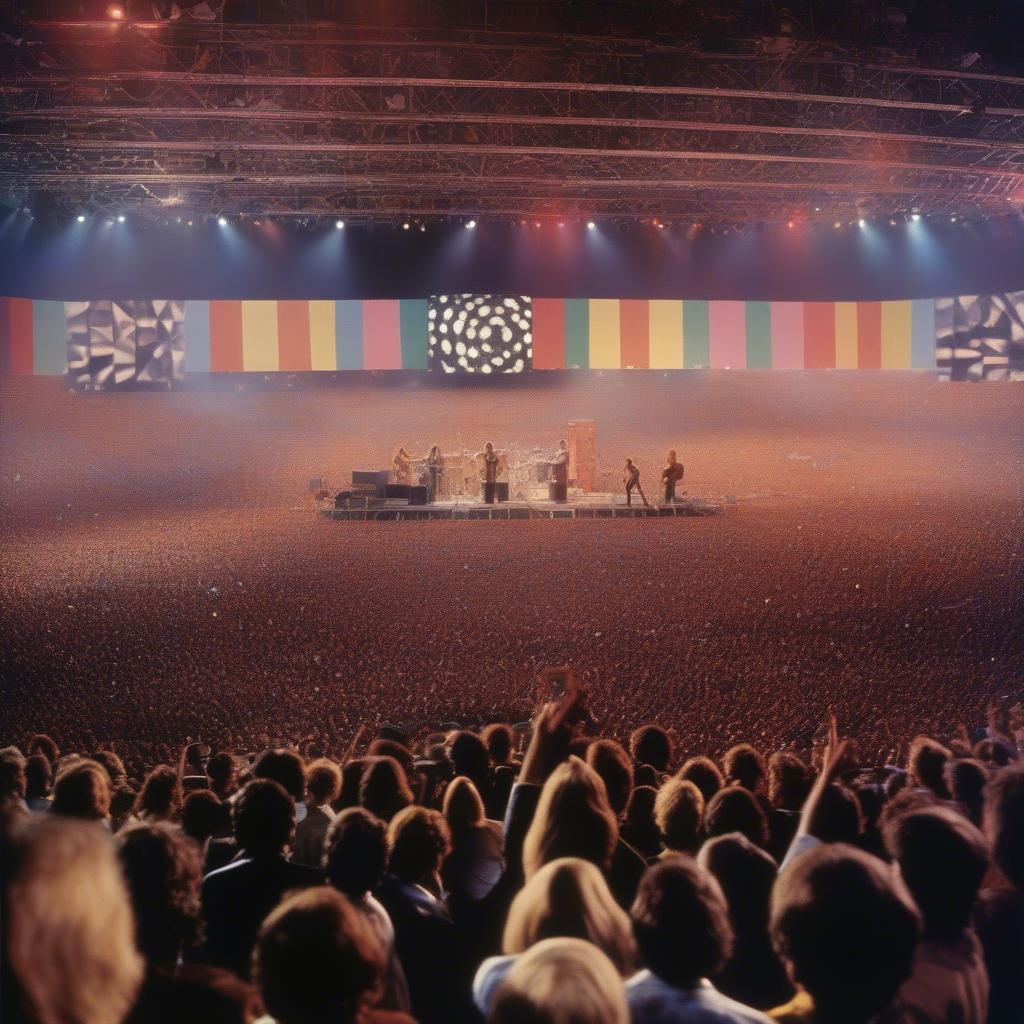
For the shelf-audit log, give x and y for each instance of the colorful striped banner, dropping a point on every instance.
(264, 336)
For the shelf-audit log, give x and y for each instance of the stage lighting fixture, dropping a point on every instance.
(81, 218)
(339, 224)
(222, 221)
(561, 223)
(405, 226)
(952, 219)
(190, 223)
(915, 216)
(790, 225)
(838, 224)
(120, 218)
(591, 225)
(470, 224)
(862, 222)
(115, 12)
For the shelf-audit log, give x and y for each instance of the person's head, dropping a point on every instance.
(356, 852)
(943, 858)
(351, 780)
(498, 737)
(469, 757)
(45, 745)
(995, 752)
(704, 774)
(846, 928)
(735, 809)
(838, 818)
(163, 872)
(572, 819)
(69, 950)
(12, 774)
(966, 780)
(629, 462)
(560, 981)
(285, 767)
(570, 898)
(651, 744)
(640, 810)
(463, 809)
(679, 812)
(384, 790)
(489, 447)
(317, 959)
(681, 923)
(114, 766)
(263, 819)
(612, 763)
(1004, 822)
(746, 875)
(82, 790)
(418, 839)
(386, 746)
(323, 780)
(122, 801)
(789, 781)
(203, 815)
(222, 772)
(744, 766)
(160, 796)
(563, 444)
(672, 455)
(38, 777)
(926, 764)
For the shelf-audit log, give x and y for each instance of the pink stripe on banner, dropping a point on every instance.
(382, 335)
(787, 335)
(727, 327)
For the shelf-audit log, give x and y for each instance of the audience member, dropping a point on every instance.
(679, 812)
(323, 783)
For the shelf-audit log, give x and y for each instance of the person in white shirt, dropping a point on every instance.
(323, 783)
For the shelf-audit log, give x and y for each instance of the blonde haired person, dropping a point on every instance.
(561, 981)
(573, 819)
(69, 949)
(566, 898)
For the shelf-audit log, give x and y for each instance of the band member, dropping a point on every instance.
(435, 464)
(560, 470)
(631, 478)
(490, 472)
(402, 465)
(670, 475)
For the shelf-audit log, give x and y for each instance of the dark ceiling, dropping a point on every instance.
(706, 112)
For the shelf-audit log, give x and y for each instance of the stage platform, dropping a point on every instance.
(400, 511)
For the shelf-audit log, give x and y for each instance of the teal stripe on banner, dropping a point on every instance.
(922, 334)
(197, 336)
(412, 318)
(759, 335)
(577, 334)
(348, 333)
(696, 334)
(49, 338)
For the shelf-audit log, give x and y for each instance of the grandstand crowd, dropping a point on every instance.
(541, 874)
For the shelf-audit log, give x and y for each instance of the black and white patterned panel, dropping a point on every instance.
(480, 334)
(980, 337)
(124, 343)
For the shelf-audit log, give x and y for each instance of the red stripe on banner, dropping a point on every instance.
(819, 335)
(869, 335)
(226, 336)
(20, 337)
(293, 335)
(549, 334)
(635, 333)
(5, 337)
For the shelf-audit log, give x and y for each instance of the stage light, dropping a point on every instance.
(405, 226)
(790, 225)
(423, 227)
(81, 218)
(952, 219)
(222, 221)
(470, 224)
(591, 225)
(536, 223)
(115, 12)
(120, 218)
(838, 224)
(915, 216)
(862, 222)
(190, 223)
(339, 224)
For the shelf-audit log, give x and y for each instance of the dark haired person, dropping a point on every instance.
(681, 926)
(317, 961)
(82, 790)
(671, 475)
(287, 768)
(651, 744)
(631, 480)
(223, 775)
(736, 809)
(435, 467)
(846, 928)
(491, 463)
(38, 782)
(943, 859)
(560, 470)
(355, 862)
(13, 782)
(1000, 913)
(236, 898)
(704, 774)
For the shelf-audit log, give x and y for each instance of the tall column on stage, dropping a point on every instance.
(583, 454)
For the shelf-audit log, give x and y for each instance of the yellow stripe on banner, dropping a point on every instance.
(846, 335)
(259, 335)
(666, 334)
(322, 351)
(605, 350)
(896, 335)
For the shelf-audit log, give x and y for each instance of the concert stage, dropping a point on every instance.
(606, 508)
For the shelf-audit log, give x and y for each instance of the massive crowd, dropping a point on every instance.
(549, 874)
